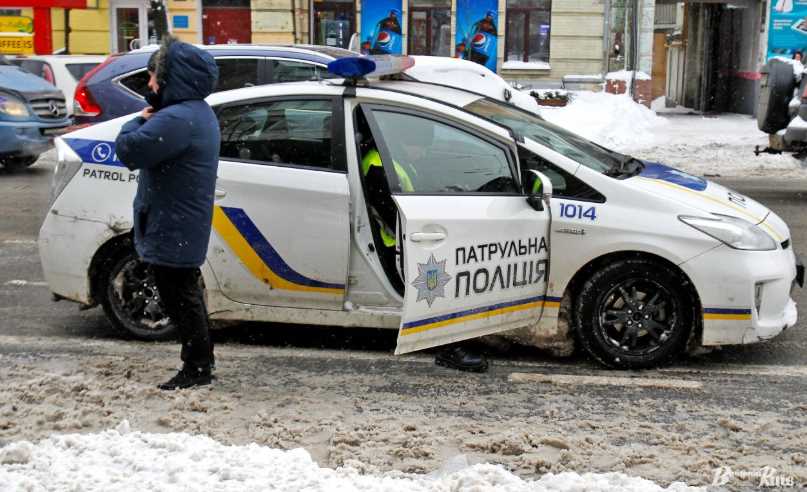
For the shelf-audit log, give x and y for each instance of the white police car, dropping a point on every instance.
(427, 209)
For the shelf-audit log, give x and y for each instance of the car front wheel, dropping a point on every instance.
(131, 300)
(634, 314)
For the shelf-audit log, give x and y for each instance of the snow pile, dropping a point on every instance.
(122, 460)
(627, 75)
(463, 73)
(715, 145)
(522, 65)
(614, 121)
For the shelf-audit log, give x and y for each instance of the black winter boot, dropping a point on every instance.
(188, 377)
(462, 359)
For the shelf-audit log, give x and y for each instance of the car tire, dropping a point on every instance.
(775, 96)
(130, 299)
(16, 164)
(634, 314)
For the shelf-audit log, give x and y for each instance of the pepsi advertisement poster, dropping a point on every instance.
(381, 31)
(787, 30)
(477, 31)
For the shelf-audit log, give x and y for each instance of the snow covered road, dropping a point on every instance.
(377, 413)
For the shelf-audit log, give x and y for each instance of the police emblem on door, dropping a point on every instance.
(431, 280)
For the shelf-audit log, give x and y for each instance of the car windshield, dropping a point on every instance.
(4, 60)
(556, 138)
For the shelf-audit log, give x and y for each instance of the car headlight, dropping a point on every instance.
(67, 165)
(734, 232)
(13, 106)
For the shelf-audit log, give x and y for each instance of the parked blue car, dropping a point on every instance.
(32, 112)
(117, 86)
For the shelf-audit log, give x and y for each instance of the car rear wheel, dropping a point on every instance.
(130, 298)
(634, 314)
(774, 97)
(15, 164)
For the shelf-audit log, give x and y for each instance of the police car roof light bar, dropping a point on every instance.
(354, 68)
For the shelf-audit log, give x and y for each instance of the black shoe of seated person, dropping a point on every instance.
(461, 358)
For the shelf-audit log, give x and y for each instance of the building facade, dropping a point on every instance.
(527, 40)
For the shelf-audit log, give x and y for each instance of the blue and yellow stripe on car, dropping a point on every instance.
(238, 231)
(732, 314)
(432, 323)
(759, 221)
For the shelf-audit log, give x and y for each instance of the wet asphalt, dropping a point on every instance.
(28, 310)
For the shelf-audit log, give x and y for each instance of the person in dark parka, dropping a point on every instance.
(175, 145)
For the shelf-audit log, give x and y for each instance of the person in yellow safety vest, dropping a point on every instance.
(373, 159)
(456, 355)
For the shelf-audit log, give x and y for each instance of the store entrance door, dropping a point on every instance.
(131, 26)
(226, 25)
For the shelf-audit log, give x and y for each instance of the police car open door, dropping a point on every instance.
(475, 252)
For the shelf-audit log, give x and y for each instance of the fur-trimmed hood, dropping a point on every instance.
(184, 71)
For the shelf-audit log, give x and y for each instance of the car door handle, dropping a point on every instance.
(220, 193)
(422, 237)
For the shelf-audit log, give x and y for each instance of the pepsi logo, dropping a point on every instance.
(479, 39)
(383, 37)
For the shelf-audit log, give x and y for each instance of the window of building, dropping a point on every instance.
(11, 12)
(528, 26)
(334, 22)
(430, 27)
(286, 132)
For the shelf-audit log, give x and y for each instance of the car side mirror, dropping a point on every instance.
(539, 189)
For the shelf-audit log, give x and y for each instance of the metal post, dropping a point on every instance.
(606, 38)
(43, 31)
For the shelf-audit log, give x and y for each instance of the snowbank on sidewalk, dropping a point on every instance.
(713, 146)
(122, 460)
(611, 120)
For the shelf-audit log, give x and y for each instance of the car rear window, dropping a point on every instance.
(234, 73)
(137, 82)
(79, 70)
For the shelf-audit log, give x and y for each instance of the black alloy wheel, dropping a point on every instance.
(132, 302)
(634, 314)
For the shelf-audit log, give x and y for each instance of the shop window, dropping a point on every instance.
(528, 27)
(334, 22)
(430, 27)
